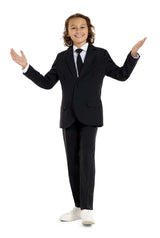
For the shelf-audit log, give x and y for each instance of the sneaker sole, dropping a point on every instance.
(88, 223)
(65, 220)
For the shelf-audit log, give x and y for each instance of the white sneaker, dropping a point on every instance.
(73, 215)
(87, 217)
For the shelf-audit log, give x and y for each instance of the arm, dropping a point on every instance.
(47, 81)
(123, 73)
(120, 73)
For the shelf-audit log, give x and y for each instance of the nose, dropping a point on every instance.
(78, 30)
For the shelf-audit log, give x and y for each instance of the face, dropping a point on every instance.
(78, 31)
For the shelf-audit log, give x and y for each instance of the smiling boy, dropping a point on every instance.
(80, 70)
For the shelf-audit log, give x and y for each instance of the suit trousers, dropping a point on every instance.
(79, 140)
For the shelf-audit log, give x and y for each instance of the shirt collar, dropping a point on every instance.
(83, 47)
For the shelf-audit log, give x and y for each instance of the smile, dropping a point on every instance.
(78, 36)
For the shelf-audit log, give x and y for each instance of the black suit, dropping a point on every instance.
(81, 96)
(81, 110)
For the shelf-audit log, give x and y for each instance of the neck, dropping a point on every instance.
(79, 45)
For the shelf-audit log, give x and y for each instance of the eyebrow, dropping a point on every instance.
(81, 25)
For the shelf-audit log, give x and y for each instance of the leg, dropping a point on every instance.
(71, 141)
(87, 165)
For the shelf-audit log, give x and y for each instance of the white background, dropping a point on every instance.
(34, 186)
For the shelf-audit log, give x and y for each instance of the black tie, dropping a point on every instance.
(79, 60)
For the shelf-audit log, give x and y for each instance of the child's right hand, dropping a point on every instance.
(21, 60)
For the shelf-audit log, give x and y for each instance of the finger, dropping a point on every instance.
(14, 53)
(142, 41)
(22, 54)
(12, 57)
(15, 56)
(11, 52)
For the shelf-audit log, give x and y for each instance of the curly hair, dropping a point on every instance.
(91, 35)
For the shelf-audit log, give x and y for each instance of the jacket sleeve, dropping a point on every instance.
(48, 80)
(120, 73)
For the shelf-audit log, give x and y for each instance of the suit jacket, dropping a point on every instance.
(81, 97)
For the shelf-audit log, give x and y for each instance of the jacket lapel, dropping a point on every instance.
(88, 62)
(70, 61)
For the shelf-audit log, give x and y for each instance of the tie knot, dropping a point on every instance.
(79, 51)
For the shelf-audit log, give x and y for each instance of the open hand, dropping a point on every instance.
(137, 46)
(21, 60)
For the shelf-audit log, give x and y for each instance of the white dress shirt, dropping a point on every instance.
(75, 54)
(82, 54)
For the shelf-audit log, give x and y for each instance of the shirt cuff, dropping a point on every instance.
(25, 69)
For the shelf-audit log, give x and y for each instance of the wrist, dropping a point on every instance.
(133, 53)
(24, 66)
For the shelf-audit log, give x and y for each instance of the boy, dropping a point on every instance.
(80, 69)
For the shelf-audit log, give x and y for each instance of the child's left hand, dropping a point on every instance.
(137, 46)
